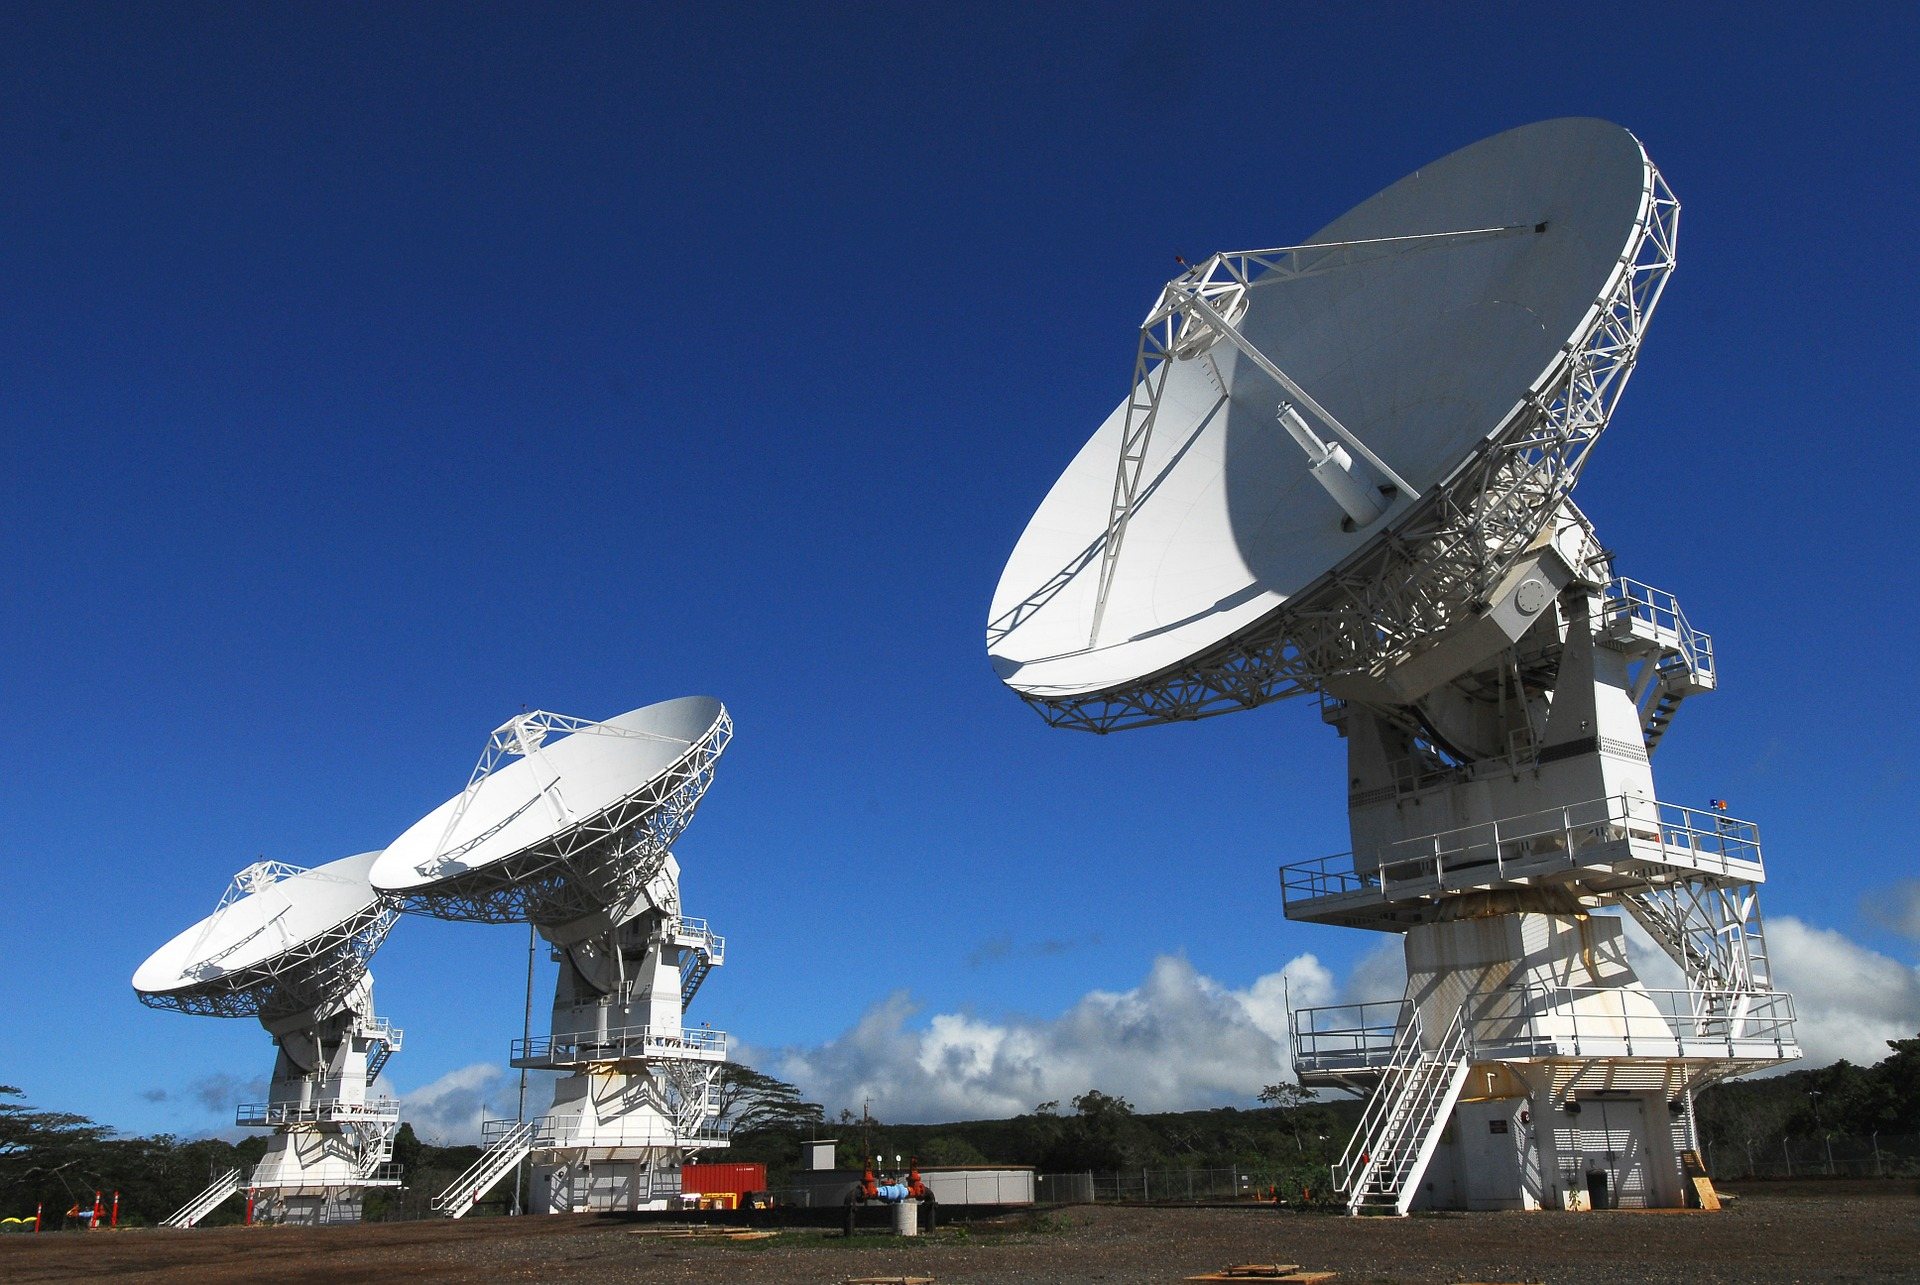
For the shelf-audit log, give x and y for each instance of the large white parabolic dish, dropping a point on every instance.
(571, 826)
(298, 940)
(1433, 357)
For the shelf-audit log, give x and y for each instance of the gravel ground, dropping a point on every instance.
(1855, 1231)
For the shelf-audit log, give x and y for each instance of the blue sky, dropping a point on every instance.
(374, 370)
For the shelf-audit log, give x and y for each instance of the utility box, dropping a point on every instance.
(819, 1154)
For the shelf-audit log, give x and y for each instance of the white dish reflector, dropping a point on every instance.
(559, 830)
(1472, 281)
(282, 939)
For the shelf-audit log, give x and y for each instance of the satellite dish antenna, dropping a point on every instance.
(1345, 468)
(567, 823)
(1335, 449)
(290, 946)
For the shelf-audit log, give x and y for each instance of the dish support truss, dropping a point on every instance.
(1434, 568)
(605, 860)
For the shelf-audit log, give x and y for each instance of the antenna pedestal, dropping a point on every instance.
(638, 1082)
(1503, 815)
(333, 1132)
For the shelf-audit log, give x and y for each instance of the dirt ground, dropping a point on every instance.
(1836, 1231)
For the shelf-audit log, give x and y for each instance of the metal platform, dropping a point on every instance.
(626, 1044)
(269, 1177)
(1352, 1044)
(263, 1115)
(1622, 844)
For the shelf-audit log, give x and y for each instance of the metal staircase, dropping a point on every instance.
(1676, 660)
(206, 1202)
(690, 1096)
(376, 1149)
(1711, 929)
(1380, 1171)
(502, 1155)
(707, 950)
(1674, 681)
(385, 1042)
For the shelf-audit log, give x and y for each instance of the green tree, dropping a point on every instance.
(50, 1157)
(1900, 1081)
(406, 1151)
(950, 1149)
(749, 1101)
(1288, 1098)
(1096, 1136)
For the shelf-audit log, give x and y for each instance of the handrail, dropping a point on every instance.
(501, 1154)
(210, 1198)
(1350, 1168)
(1540, 1020)
(1692, 837)
(621, 1043)
(1629, 599)
(259, 1114)
(1372, 1027)
(563, 1131)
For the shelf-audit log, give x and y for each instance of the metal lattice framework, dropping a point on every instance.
(1440, 562)
(1711, 928)
(687, 1092)
(597, 863)
(310, 975)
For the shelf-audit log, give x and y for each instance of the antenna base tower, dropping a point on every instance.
(333, 1133)
(1503, 817)
(636, 1096)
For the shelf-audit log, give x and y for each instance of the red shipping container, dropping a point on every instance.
(736, 1178)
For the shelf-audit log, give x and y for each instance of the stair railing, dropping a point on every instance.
(1350, 1170)
(500, 1157)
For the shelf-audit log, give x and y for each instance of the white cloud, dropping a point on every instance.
(1850, 1000)
(1181, 1040)
(1178, 1040)
(448, 1111)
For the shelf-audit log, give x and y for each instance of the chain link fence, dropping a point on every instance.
(1838, 1156)
(1156, 1186)
(1831, 1156)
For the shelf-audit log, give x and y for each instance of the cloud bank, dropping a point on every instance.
(1850, 1000)
(1178, 1040)
(1182, 1041)
(448, 1111)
